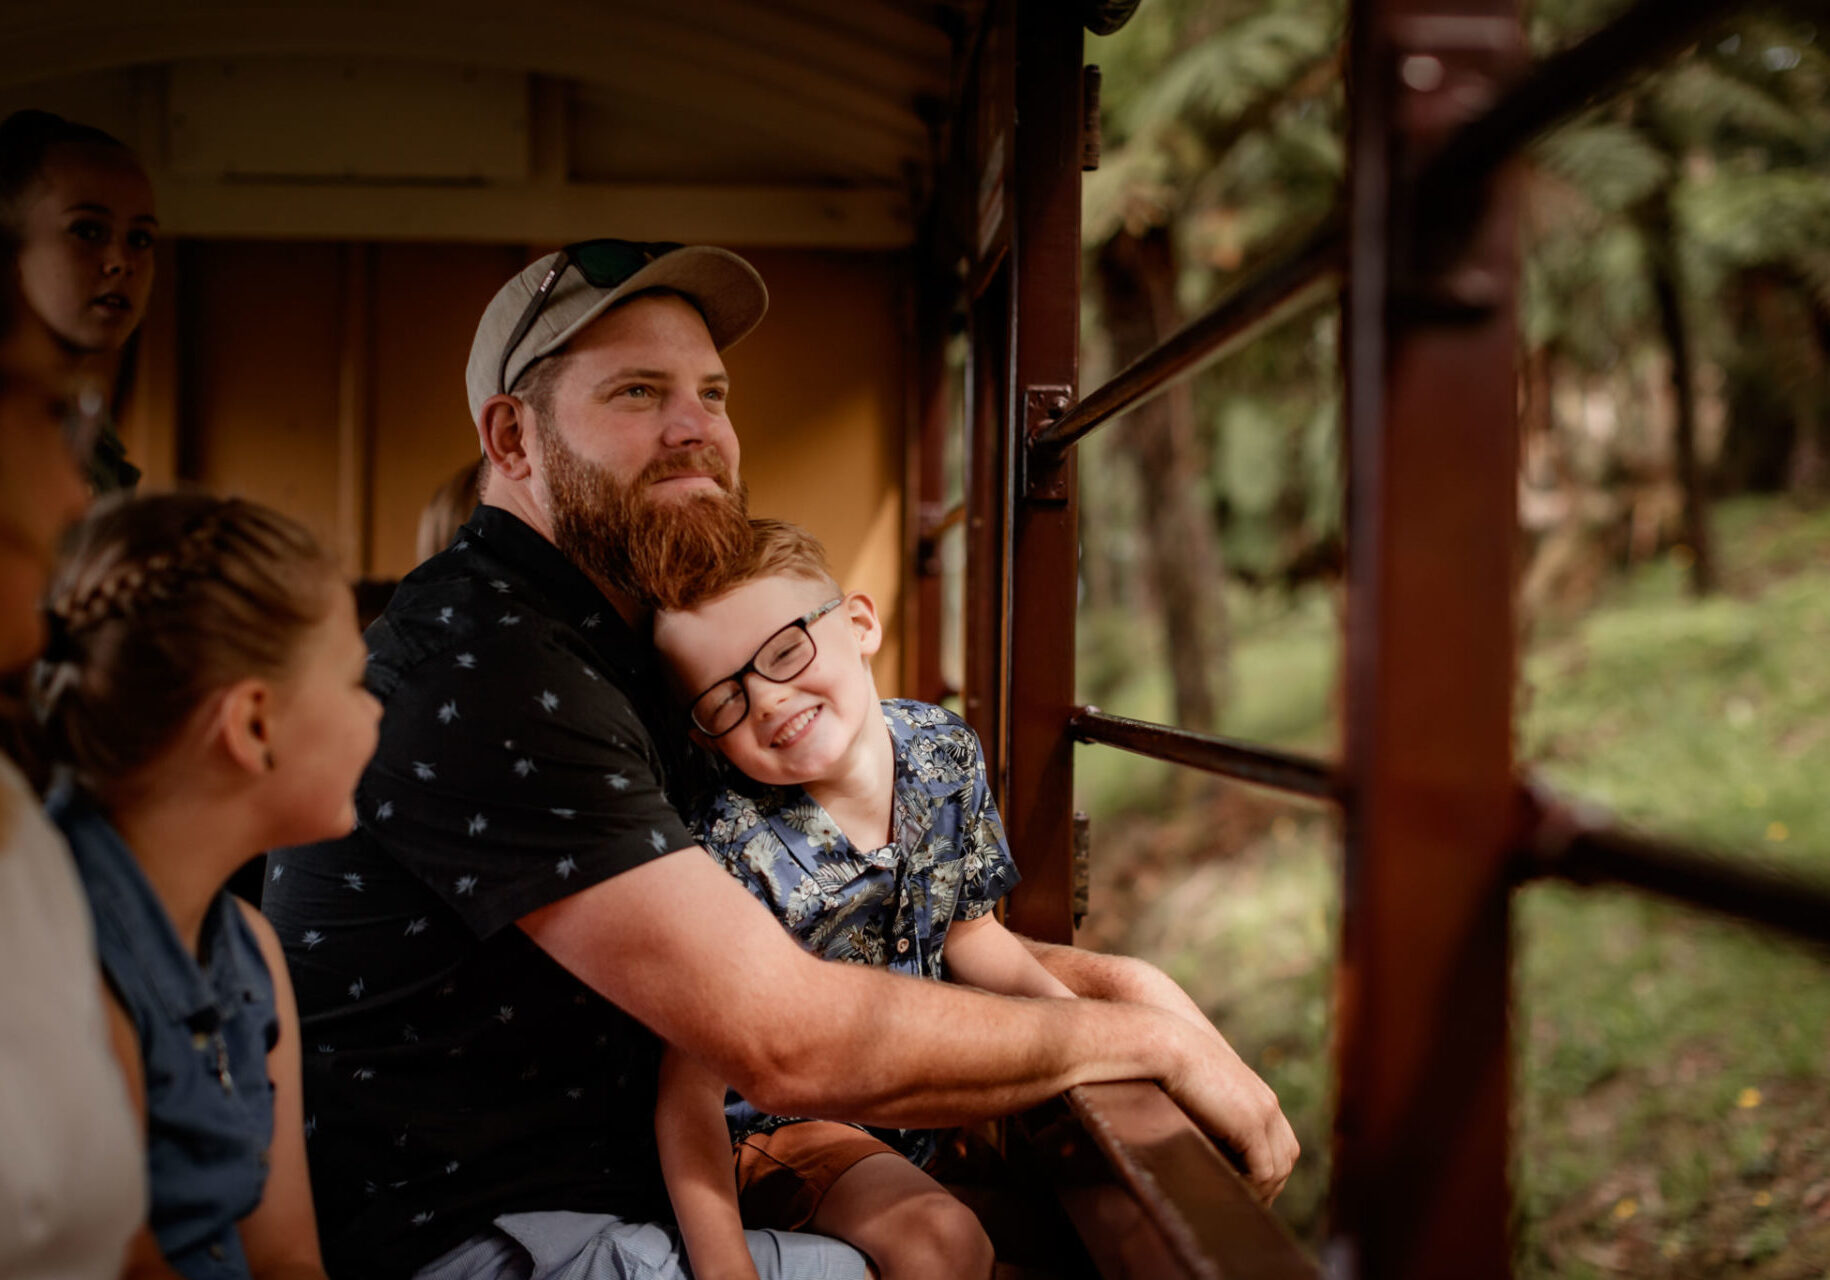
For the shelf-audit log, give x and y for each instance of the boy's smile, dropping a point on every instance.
(816, 728)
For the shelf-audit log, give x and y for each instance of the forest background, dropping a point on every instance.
(1671, 1111)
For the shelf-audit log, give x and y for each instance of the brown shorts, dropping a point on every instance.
(782, 1176)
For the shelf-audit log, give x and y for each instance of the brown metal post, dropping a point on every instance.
(1038, 799)
(992, 111)
(1421, 1186)
(987, 524)
(924, 447)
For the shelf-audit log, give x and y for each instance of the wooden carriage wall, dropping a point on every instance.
(343, 187)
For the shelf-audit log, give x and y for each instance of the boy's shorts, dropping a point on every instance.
(783, 1175)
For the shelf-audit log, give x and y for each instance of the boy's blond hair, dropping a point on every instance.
(777, 549)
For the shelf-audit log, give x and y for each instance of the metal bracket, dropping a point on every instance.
(1044, 471)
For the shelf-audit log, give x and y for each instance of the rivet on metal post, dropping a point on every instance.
(1422, 72)
(1451, 68)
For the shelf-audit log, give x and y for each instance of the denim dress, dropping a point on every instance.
(205, 1025)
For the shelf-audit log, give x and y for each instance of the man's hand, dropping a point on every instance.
(1227, 1099)
(1219, 1092)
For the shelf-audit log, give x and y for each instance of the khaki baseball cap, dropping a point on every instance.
(592, 276)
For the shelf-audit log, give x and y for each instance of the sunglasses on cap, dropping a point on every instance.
(604, 264)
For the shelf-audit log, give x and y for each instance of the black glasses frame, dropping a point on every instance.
(803, 622)
(603, 263)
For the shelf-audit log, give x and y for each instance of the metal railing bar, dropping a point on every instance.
(1207, 1215)
(1268, 297)
(1585, 849)
(1647, 34)
(933, 525)
(1226, 757)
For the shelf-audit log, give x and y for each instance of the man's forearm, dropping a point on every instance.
(679, 945)
(932, 1053)
(1097, 976)
(907, 1053)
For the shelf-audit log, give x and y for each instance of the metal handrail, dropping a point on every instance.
(1576, 843)
(1226, 757)
(1561, 84)
(1264, 299)
(1149, 1193)
(933, 525)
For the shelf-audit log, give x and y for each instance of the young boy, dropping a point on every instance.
(869, 829)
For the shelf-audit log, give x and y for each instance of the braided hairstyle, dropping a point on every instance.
(162, 601)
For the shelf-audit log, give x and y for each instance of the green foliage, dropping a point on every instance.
(1670, 1067)
(1669, 1113)
(1609, 162)
(1749, 219)
(1210, 84)
(1223, 122)
(1701, 100)
(1737, 134)
(1286, 652)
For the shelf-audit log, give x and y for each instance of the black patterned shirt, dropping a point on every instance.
(453, 1070)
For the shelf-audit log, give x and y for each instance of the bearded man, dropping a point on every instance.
(485, 963)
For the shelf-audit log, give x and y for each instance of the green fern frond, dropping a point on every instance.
(1128, 190)
(1747, 219)
(1613, 164)
(1215, 81)
(1699, 100)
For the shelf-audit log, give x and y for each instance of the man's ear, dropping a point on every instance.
(861, 610)
(244, 724)
(503, 430)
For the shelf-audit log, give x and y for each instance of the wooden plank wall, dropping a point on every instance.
(326, 378)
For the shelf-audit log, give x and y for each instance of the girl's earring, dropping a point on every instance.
(267, 754)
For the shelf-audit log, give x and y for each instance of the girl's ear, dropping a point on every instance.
(244, 724)
(862, 611)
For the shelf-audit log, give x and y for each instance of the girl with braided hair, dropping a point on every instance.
(202, 698)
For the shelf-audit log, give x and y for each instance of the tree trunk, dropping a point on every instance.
(1137, 276)
(1661, 247)
(1792, 342)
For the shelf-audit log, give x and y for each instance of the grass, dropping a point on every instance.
(1671, 1114)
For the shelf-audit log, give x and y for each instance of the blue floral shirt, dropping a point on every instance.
(890, 907)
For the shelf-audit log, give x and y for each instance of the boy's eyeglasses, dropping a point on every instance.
(603, 263)
(780, 658)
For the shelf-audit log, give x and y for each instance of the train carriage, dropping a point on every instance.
(343, 187)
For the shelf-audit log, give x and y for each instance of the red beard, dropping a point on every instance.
(661, 554)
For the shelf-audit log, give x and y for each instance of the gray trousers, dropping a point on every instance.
(560, 1245)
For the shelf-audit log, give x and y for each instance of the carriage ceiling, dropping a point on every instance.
(758, 122)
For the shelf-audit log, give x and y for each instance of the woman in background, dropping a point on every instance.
(81, 208)
(72, 1165)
